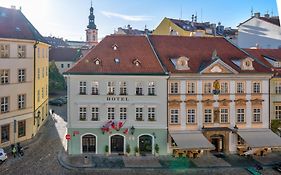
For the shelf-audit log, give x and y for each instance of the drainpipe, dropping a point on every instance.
(34, 80)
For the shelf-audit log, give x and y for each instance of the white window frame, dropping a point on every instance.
(191, 113)
(139, 113)
(95, 88)
(4, 104)
(4, 50)
(240, 88)
(224, 87)
(21, 101)
(277, 111)
(151, 88)
(82, 87)
(139, 88)
(224, 115)
(95, 113)
(174, 116)
(111, 88)
(256, 87)
(151, 113)
(278, 88)
(21, 51)
(240, 114)
(21, 75)
(82, 113)
(123, 88)
(123, 113)
(208, 115)
(256, 115)
(5, 76)
(174, 87)
(191, 87)
(207, 88)
(110, 113)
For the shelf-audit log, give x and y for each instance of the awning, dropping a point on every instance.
(191, 140)
(258, 138)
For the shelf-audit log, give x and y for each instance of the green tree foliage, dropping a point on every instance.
(56, 80)
(275, 124)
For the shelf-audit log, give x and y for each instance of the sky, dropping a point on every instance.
(68, 18)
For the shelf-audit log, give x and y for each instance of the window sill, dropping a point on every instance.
(139, 120)
(82, 94)
(95, 94)
(191, 123)
(139, 94)
(123, 94)
(253, 122)
(151, 94)
(94, 120)
(110, 94)
(174, 123)
(151, 120)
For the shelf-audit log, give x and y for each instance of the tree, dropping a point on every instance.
(56, 80)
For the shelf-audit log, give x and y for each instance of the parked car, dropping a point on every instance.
(56, 102)
(3, 155)
(63, 99)
(253, 171)
(277, 167)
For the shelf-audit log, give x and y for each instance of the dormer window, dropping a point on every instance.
(97, 61)
(182, 63)
(114, 47)
(137, 62)
(117, 60)
(247, 64)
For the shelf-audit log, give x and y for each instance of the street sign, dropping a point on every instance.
(67, 136)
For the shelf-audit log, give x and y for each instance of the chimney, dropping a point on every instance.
(257, 15)
(266, 15)
(13, 7)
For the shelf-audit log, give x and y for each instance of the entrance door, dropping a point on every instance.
(117, 144)
(145, 144)
(217, 141)
(89, 143)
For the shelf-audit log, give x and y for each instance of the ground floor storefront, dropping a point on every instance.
(93, 140)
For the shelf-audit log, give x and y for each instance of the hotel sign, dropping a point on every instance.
(117, 99)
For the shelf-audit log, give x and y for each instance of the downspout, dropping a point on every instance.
(34, 80)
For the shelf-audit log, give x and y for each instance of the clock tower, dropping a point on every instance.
(92, 31)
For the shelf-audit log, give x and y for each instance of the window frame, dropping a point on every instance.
(208, 115)
(151, 88)
(224, 115)
(21, 51)
(95, 88)
(139, 113)
(191, 115)
(5, 104)
(151, 113)
(7, 133)
(21, 101)
(82, 113)
(110, 113)
(21, 128)
(4, 51)
(256, 115)
(174, 116)
(95, 113)
(123, 113)
(240, 115)
(21, 75)
(5, 76)
(82, 88)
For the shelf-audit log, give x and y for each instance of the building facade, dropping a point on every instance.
(217, 96)
(117, 99)
(260, 32)
(18, 66)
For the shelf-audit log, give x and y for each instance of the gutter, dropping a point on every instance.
(34, 80)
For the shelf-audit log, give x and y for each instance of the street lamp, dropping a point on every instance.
(235, 129)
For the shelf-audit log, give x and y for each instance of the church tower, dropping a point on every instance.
(92, 31)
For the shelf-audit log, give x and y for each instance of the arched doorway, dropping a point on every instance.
(117, 144)
(218, 142)
(89, 143)
(145, 144)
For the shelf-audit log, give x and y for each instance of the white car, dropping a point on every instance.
(3, 155)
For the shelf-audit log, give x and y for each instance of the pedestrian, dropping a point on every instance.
(14, 151)
(19, 149)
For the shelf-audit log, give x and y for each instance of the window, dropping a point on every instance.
(21, 75)
(277, 112)
(123, 88)
(191, 116)
(21, 128)
(68, 65)
(123, 113)
(139, 114)
(110, 88)
(208, 115)
(43, 72)
(21, 101)
(43, 52)
(43, 113)
(256, 87)
(208, 88)
(224, 115)
(4, 104)
(151, 114)
(240, 115)
(38, 95)
(151, 88)
(110, 113)
(4, 51)
(174, 116)
(38, 73)
(5, 133)
(38, 52)
(224, 88)
(95, 88)
(82, 88)
(95, 114)
(174, 88)
(47, 71)
(21, 51)
(278, 88)
(83, 113)
(240, 88)
(191, 87)
(4, 74)
(256, 115)
(139, 90)
(42, 93)
(61, 65)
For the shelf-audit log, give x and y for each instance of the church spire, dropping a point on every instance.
(92, 24)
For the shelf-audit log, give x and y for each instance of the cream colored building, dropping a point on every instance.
(18, 84)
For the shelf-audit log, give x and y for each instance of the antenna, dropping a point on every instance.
(252, 11)
(91, 3)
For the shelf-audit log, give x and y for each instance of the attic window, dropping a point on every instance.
(18, 29)
(136, 62)
(114, 46)
(182, 63)
(117, 60)
(247, 64)
(97, 61)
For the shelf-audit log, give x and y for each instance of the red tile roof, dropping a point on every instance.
(64, 54)
(129, 49)
(274, 54)
(199, 51)
(15, 25)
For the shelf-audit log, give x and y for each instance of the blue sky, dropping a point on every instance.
(69, 18)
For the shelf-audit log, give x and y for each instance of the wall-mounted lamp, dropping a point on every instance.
(235, 129)
(133, 130)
